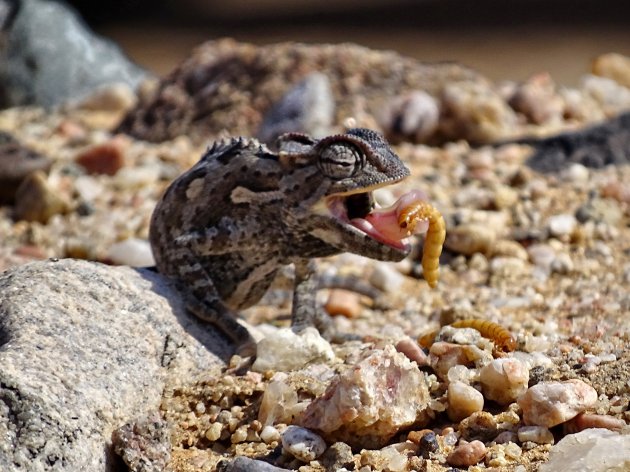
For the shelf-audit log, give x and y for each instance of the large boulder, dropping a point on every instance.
(85, 348)
(51, 57)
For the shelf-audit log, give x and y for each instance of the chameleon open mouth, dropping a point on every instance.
(360, 211)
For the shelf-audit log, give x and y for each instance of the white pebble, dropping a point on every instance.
(537, 434)
(132, 252)
(504, 380)
(576, 173)
(302, 443)
(463, 401)
(562, 264)
(541, 255)
(396, 461)
(593, 450)
(269, 434)
(551, 403)
(561, 225)
(283, 350)
(461, 373)
(386, 277)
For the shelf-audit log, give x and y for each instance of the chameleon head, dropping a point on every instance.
(343, 170)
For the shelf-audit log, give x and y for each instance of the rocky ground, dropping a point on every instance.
(543, 253)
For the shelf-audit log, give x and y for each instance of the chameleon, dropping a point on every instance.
(224, 228)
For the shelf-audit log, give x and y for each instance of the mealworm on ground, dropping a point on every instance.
(434, 239)
(427, 339)
(489, 329)
(502, 338)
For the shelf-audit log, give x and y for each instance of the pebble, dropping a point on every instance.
(343, 302)
(463, 401)
(474, 197)
(338, 457)
(16, 163)
(284, 350)
(278, 403)
(133, 252)
(502, 455)
(467, 454)
(414, 116)
(444, 356)
(505, 437)
(396, 456)
(538, 101)
(239, 435)
(588, 420)
(509, 248)
(213, 433)
(307, 107)
(592, 450)
(580, 106)
(537, 434)
(107, 158)
(613, 66)
(508, 268)
(36, 201)
(552, 403)
(504, 380)
(542, 255)
(118, 97)
(576, 173)
(476, 113)
(480, 425)
(460, 373)
(384, 276)
(616, 190)
(608, 94)
(245, 464)
(269, 434)
(562, 225)
(302, 443)
(468, 239)
(368, 404)
(428, 444)
(72, 130)
(411, 349)
(89, 188)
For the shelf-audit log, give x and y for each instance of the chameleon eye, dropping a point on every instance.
(340, 161)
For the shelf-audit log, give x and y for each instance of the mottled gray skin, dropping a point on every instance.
(225, 227)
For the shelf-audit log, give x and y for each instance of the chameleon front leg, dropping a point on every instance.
(305, 311)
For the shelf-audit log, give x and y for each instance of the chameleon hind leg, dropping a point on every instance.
(202, 300)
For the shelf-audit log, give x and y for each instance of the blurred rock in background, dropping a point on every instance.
(503, 40)
(51, 57)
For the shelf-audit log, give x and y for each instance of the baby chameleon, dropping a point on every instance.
(224, 228)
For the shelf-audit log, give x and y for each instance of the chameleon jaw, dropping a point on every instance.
(358, 212)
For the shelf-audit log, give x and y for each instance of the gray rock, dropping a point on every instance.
(52, 57)
(309, 107)
(595, 146)
(594, 449)
(144, 445)
(84, 349)
(337, 456)
(245, 464)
